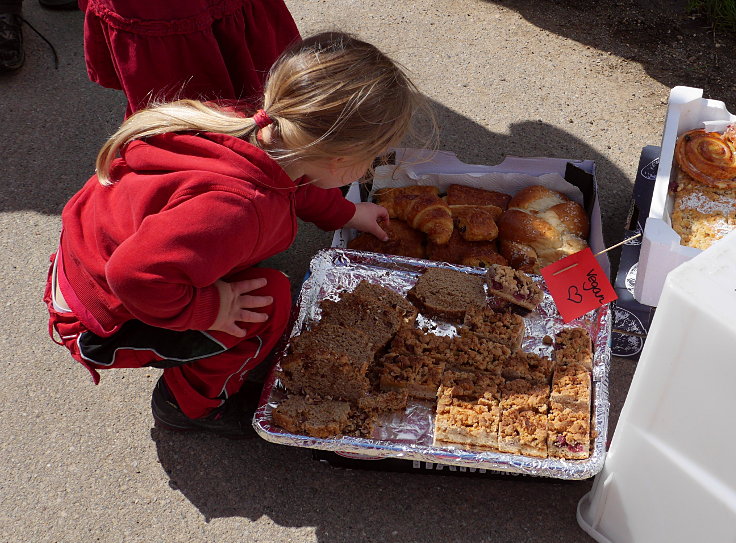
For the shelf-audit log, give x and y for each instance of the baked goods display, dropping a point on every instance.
(704, 208)
(477, 227)
(540, 227)
(459, 228)
(366, 358)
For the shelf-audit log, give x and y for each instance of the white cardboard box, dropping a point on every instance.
(442, 168)
(661, 251)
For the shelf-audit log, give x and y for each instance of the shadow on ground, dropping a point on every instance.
(674, 46)
(254, 478)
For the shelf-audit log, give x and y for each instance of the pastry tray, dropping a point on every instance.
(408, 435)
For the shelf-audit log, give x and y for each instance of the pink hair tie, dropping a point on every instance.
(262, 119)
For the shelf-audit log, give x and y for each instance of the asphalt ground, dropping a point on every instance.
(84, 463)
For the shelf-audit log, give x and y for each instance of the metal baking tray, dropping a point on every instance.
(408, 435)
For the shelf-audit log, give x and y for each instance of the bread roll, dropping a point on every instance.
(541, 226)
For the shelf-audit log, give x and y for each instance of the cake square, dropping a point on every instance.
(410, 340)
(447, 293)
(469, 421)
(473, 383)
(470, 352)
(371, 316)
(573, 346)
(568, 433)
(513, 286)
(328, 361)
(571, 387)
(523, 431)
(500, 327)
(419, 375)
(528, 366)
(322, 419)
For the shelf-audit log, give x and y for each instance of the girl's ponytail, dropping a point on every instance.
(179, 116)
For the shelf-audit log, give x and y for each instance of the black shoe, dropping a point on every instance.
(11, 42)
(59, 4)
(233, 420)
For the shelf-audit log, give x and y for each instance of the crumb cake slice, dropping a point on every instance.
(473, 383)
(523, 425)
(568, 433)
(513, 286)
(571, 387)
(573, 346)
(500, 327)
(471, 421)
(446, 293)
(411, 340)
(419, 375)
(471, 352)
(528, 366)
(322, 418)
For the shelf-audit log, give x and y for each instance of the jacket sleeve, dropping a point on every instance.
(326, 208)
(164, 274)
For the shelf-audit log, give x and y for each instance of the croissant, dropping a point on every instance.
(475, 211)
(468, 253)
(421, 207)
(541, 226)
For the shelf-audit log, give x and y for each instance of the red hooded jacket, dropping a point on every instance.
(186, 210)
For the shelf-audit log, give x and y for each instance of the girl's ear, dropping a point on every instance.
(335, 163)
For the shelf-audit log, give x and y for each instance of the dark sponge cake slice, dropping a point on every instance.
(446, 293)
(328, 361)
(387, 296)
(373, 317)
(316, 418)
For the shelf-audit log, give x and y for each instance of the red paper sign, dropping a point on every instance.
(578, 284)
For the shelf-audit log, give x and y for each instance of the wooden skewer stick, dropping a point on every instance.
(558, 272)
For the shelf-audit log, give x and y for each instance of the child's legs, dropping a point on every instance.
(202, 368)
(203, 385)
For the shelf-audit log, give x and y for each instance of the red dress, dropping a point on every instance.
(200, 49)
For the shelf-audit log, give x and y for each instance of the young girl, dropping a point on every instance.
(158, 259)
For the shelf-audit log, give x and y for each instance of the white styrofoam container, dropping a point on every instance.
(661, 251)
(670, 473)
(441, 168)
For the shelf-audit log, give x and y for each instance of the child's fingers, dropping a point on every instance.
(249, 285)
(251, 316)
(246, 301)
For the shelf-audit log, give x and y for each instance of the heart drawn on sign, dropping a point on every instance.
(573, 294)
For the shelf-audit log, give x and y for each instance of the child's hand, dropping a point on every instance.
(366, 218)
(235, 304)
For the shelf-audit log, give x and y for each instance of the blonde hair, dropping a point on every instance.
(328, 95)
